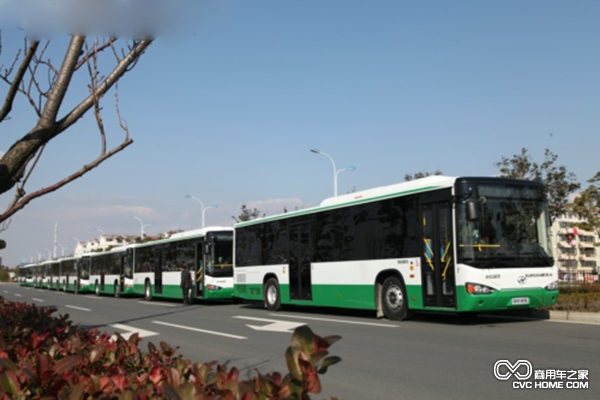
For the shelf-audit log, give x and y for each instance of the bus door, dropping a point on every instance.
(123, 262)
(102, 272)
(200, 262)
(158, 260)
(300, 256)
(437, 262)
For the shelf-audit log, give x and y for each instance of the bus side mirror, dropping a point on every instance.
(472, 210)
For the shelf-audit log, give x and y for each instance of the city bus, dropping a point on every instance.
(462, 245)
(52, 274)
(82, 283)
(207, 254)
(107, 272)
(39, 274)
(67, 274)
(26, 275)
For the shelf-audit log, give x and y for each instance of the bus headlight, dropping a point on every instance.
(552, 286)
(476, 288)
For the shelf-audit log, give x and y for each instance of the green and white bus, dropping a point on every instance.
(26, 275)
(67, 275)
(108, 272)
(439, 243)
(52, 274)
(206, 253)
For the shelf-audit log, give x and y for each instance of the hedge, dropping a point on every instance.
(47, 357)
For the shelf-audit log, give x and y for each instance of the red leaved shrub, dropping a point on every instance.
(46, 357)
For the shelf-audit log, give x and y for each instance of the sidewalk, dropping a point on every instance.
(574, 316)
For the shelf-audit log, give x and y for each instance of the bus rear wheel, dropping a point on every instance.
(394, 299)
(272, 297)
(147, 292)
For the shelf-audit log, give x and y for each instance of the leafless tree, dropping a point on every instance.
(44, 84)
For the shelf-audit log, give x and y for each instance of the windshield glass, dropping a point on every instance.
(511, 228)
(220, 262)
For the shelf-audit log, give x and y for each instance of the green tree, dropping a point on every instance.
(558, 181)
(419, 175)
(587, 207)
(4, 276)
(247, 214)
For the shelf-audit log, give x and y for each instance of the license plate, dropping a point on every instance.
(519, 301)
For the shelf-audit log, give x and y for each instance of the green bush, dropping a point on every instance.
(44, 357)
(584, 298)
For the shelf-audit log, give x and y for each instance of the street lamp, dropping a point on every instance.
(62, 249)
(39, 255)
(336, 171)
(100, 230)
(49, 254)
(187, 196)
(142, 225)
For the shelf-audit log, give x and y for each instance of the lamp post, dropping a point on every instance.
(62, 249)
(39, 255)
(101, 231)
(336, 171)
(187, 196)
(142, 225)
(49, 254)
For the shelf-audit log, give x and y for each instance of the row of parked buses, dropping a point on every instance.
(438, 243)
(151, 269)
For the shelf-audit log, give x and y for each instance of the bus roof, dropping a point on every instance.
(365, 196)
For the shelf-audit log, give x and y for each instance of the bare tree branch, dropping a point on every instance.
(59, 89)
(86, 168)
(14, 87)
(97, 50)
(110, 80)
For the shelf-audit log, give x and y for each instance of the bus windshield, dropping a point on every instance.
(220, 262)
(510, 228)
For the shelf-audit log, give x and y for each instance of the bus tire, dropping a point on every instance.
(147, 291)
(394, 300)
(272, 296)
(97, 289)
(117, 289)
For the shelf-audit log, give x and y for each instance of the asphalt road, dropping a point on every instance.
(431, 357)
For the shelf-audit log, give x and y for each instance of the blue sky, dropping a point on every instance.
(227, 109)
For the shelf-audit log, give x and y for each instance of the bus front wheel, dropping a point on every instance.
(147, 292)
(272, 298)
(394, 299)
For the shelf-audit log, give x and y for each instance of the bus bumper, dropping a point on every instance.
(508, 299)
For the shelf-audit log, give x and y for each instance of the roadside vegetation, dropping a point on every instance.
(582, 298)
(46, 357)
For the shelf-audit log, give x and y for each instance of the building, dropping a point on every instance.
(573, 248)
(104, 242)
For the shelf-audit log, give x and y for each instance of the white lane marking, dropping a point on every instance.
(91, 296)
(17, 294)
(341, 321)
(572, 322)
(36, 299)
(158, 304)
(5, 291)
(189, 328)
(79, 308)
(273, 325)
(131, 330)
